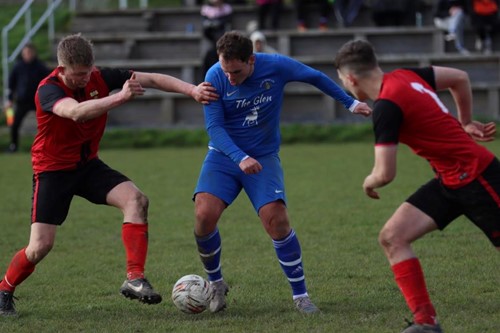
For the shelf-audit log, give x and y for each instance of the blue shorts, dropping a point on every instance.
(223, 178)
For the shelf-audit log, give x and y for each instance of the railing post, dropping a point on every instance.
(5, 66)
(51, 24)
(27, 20)
(25, 10)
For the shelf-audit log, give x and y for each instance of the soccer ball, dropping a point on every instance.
(191, 294)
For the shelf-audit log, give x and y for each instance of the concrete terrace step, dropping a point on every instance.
(178, 18)
(481, 68)
(301, 104)
(179, 45)
(392, 40)
(170, 41)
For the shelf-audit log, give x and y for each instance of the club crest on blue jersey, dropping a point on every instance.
(267, 84)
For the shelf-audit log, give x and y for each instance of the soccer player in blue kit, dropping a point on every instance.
(243, 126)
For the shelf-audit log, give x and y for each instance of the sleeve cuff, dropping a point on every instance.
(353, 105)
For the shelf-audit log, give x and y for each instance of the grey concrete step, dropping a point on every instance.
(301, 104)
(188, 18)
(169, 41)
(481, 68)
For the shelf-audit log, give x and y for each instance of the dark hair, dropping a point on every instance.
(234, 46)
(357, 56)
(30, 45)
(75, 50)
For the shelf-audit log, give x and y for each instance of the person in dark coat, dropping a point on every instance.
(24, 78)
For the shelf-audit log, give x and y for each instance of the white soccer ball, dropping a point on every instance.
(191, 294)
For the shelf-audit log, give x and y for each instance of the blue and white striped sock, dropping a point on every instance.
(290, 258)
(209, 249)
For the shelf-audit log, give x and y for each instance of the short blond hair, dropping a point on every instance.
(75, 50)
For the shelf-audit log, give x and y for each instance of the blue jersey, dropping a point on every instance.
(245, 119)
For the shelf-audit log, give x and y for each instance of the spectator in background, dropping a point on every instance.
(346, 11)
(259, 42)
(27, 72)
(268, 8)
(303, 7)
(484, 19)
(451, 16)
(217, 16)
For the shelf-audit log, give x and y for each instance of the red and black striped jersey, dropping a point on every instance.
(408, 110)
(61, 143)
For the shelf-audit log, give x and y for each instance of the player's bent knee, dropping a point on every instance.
(38, 251)
(138, 200)
(207, 209)
(277, 226)
(387, 238)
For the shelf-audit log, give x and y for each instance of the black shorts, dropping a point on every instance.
(479, 201)
(54, 190)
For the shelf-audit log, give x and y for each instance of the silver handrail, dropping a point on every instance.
(30, 32)
(25, 11)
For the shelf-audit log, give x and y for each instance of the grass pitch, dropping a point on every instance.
(76, 288)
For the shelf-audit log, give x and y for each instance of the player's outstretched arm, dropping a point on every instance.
(202, 93)
(92, 108)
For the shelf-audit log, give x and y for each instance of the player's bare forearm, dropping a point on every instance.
(202, 93)
(90, 109)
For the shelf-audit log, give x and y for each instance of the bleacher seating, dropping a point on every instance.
(157, 41)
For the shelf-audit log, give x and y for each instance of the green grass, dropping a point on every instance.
(75, 289)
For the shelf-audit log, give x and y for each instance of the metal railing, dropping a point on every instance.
(47, 16)
(31, 30)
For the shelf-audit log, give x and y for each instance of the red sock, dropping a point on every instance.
(135, 240)
(19, 269)
(410, 279)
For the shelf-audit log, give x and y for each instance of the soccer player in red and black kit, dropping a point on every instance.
(71, 109)
(408, 110)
